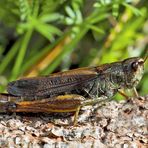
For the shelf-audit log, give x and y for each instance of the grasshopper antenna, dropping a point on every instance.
(146, 56)
(145, 59)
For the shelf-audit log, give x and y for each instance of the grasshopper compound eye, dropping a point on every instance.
(135, 65)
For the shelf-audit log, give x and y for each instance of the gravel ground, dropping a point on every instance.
(117, 125)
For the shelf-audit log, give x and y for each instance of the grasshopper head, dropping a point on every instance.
(133, 69)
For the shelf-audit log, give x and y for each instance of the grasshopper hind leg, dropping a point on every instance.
(76, 115)
(8, 107)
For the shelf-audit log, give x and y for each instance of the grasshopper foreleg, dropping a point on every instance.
(135, 92)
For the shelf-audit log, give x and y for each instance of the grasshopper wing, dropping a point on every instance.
(53, 84)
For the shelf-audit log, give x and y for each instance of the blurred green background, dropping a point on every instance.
(38, 37)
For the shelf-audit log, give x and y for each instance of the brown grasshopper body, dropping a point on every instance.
(96, 81)
(74, 87)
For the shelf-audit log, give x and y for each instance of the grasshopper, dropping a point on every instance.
(70, 90)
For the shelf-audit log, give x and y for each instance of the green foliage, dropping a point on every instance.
(95, 32)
